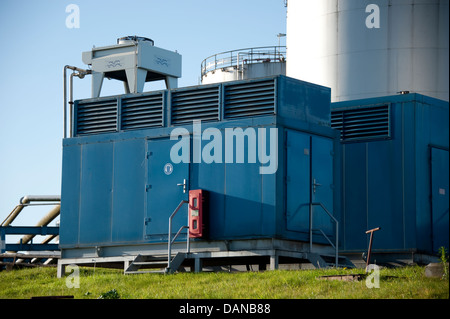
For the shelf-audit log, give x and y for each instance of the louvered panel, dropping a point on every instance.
(142, 111)
(362, 123)
(96, 117)
(336, 120)
(195, 104)
(250, 99)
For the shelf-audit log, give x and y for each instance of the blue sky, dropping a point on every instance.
(36, 44)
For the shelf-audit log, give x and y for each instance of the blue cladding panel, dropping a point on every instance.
(96, 188)
(128, 190)
(70, 195)
(387, 182)
(243, 207)
(439, 198)
(211, 177)
(303, 101)
(355, 198)
(118, 190)
(385, 207)
(242, 201)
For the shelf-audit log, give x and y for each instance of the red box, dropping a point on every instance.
(196, 209)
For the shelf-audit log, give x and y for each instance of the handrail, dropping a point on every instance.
(232, 58)
(170, 240)
(335, 246)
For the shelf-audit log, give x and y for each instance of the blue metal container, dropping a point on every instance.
(120, 182)
(394, 172)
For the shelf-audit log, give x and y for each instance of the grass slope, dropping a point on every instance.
(398, 283)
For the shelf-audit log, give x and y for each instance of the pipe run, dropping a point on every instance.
(76, 72)
(39, 198)
(47, 219)
(25, 201)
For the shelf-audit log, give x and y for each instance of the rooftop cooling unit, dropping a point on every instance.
(133, 60)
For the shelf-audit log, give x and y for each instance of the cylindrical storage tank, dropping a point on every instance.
(244, 64)
(370, 48)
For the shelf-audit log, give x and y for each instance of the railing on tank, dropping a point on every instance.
(238, 58)
(171, 240)
(311, 229)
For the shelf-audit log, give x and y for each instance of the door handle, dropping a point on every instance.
(183, 184)
(315, 185)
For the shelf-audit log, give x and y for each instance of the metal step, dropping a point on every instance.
(328, 261)
(145, 262)
(176, 262)
(149, 263)
(145, 272)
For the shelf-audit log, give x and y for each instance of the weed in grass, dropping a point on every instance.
(112, 294)
(443, 256)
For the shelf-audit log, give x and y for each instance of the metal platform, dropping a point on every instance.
(204, 255)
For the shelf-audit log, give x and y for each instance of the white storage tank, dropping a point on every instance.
(370, 48)
(244, 64)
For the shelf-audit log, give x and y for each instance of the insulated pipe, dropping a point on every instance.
(51, 215)
(71, 103)
(39, 198)
(15, 212)
(24, 201)
(47, 239)
(81, 73)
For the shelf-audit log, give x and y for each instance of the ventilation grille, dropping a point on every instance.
(362, 123)
(195, 104)
(250, 99)
(142, 111)
(205, 103)
(96, 117)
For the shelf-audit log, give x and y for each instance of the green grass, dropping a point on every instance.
(398, 283)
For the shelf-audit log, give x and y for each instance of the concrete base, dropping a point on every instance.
(435, 270)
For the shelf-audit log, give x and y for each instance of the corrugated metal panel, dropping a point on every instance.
(362, 123)
(195, 104)
(250, 99)
(96, 117)
(142, 111)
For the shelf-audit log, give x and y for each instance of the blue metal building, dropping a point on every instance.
(394, 173)
(120, 181)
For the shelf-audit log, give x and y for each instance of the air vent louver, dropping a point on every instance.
(195, 104)
(362, 123)
(142, 111)
(96, 117)
(250, 99)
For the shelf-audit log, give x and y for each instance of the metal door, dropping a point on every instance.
(309, 179)
(439, 198)
(298, 171)
(167, 185)
(322, 183)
